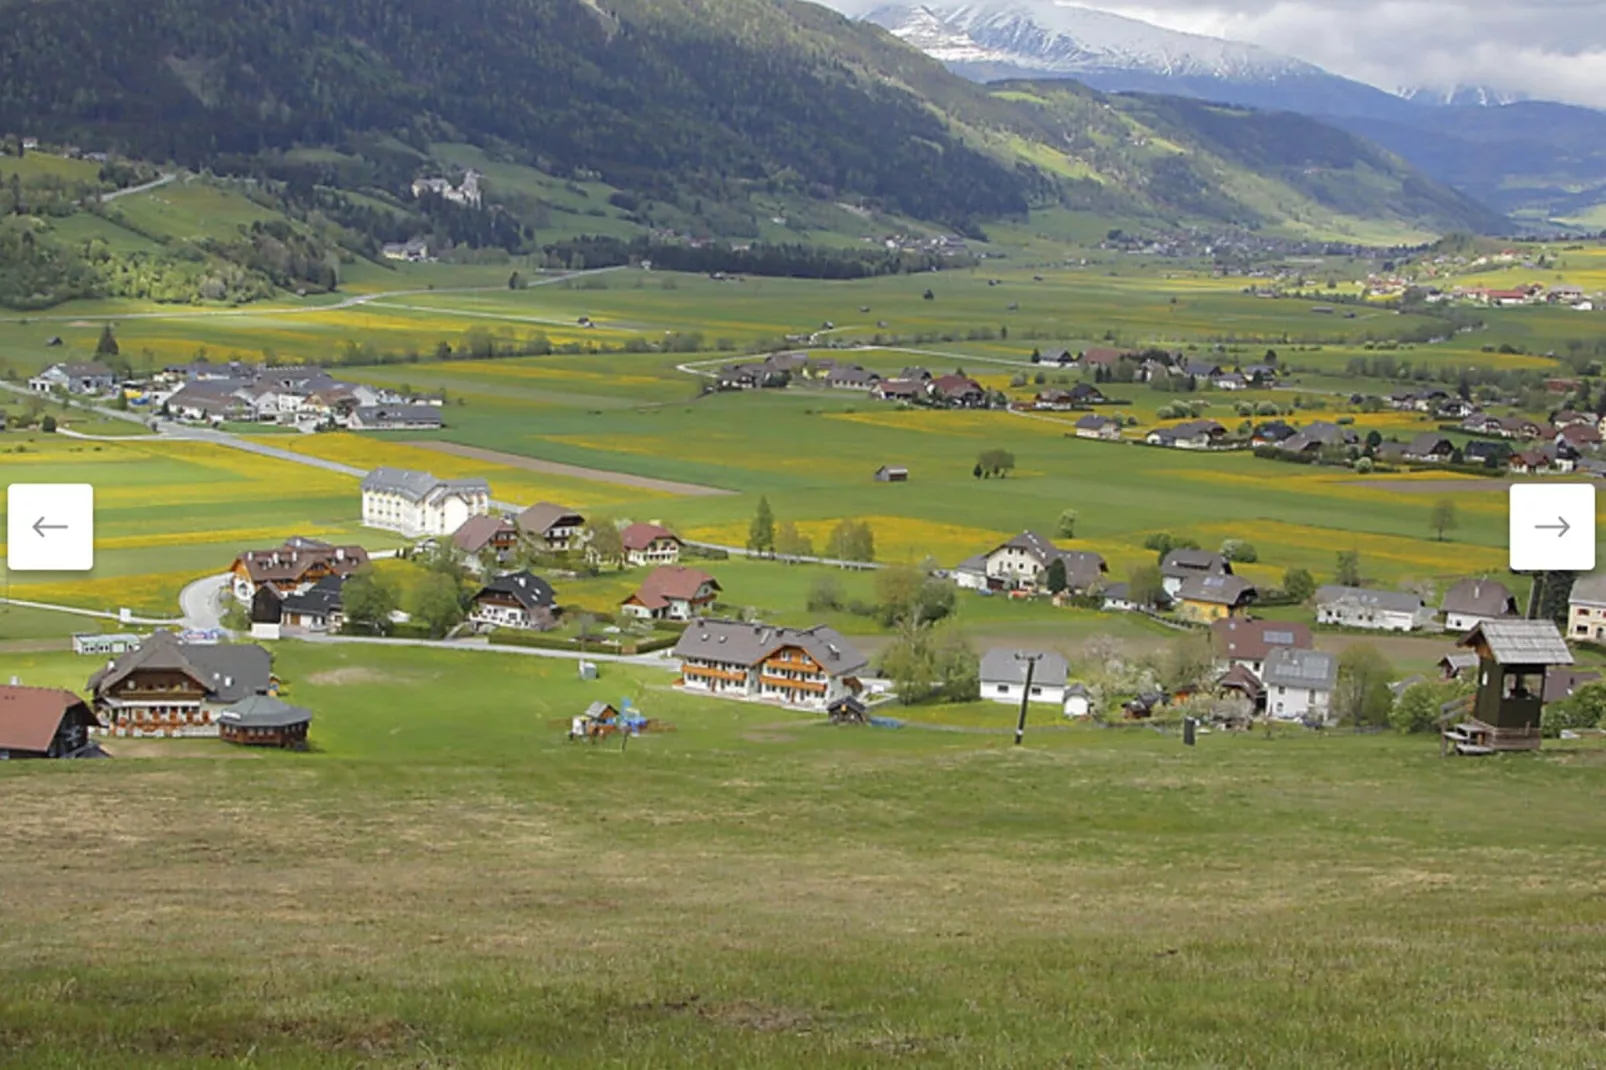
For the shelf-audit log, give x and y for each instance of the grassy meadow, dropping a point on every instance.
(444, 881)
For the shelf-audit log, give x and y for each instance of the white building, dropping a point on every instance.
(1385, 611)
(1299, 684)
(1024, 561)
(417, 503)
(1586, 608)
(1003, 676)
(1471, 602)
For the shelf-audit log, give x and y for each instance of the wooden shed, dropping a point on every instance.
(892, 473)
(1513, 656)
(260, 720)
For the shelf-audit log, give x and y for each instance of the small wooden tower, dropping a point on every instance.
(1512, 658)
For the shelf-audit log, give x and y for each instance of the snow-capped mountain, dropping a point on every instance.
(1461, 96)
(994, 39)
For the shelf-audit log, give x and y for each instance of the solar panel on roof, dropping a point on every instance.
(1283, 638)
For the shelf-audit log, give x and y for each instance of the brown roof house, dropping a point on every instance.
(1243, 642)
(672, 592)
(42, 722)
(486, 537)
(1471, 602)
(554, 528)
(650, 544)
(800, 668)
(171, 688)
(293, 567)
(518, 600)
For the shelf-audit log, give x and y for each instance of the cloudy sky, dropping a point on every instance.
(1552, 49)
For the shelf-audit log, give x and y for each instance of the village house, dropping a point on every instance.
(1471, 602)
(959, 392)
(1077, 397)
(1118, 599)
(1023, 562)
(42, 722)
(1359, 607)
(209, 401)
(1586, 608)
(91, 377)
(1208, 598)
(467, 193)
(1181, 565)
(1103, 428)
(892, 473)
(1429, 447)
(851, 377)
(263, 720)
(1003, 677)
(319, 608)
(1104, 358)
(650, 544)
(804, 669)
(486, 535)
(552, 528)
(1188, 435)
(1230, 381)
(417, 503)
(172, 688)
(1299, 684)
(395, 418)
(1272, 433)
(905, 390)
(519, 600)
(293, 567)
(672, 592)
(1245, 643)
(412, 252)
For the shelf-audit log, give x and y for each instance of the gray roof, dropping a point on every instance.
(1480, 598)
(1000, 666)
(742, 643)
(973, 564)
(1459, 660)
(321, 599)
(1521, 642)
(1093, 422)
(1394, 601)
(264, 711)
(1182, 563)
(1290, 667)
(1222, 590)
(528, 589)
(400, 414)
(417, 486)
(1589, 589)
(229, 673)
(1082, 567)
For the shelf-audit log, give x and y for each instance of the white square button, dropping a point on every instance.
(50, 527)
(1552, 527)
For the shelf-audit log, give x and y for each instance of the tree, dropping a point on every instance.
(367, 600)
(897, 593)
(761, 532)
(996, 462)
(1239, 551)
(1374, 439)
(435, 602)
(48, 424)
(924, 663)
(1584, 708)
(1145, 586)
(1186, 662)
(1421, 706)
(1361, 696)
(1299, 584)
(515, 281)
(1348, 573)
(604, 543)
(1056, 576)
(851, 540)
(1066, 527)
(790, 542)
(1163, 542)
(825, 596)
(1443, 517)
(977, 471)
(107, 345)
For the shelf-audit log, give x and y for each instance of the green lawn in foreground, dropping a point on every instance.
(445, 881)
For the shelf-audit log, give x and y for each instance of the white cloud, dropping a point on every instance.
(1551, 49)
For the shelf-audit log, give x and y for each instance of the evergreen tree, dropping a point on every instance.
(107, 346)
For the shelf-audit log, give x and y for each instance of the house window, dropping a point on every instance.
(1003, 689)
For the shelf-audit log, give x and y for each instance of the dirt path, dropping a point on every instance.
(572, 471)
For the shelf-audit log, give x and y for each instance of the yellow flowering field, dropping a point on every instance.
(897, 538)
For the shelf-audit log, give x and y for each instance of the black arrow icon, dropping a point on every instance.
(40, 527)
(1560, 529)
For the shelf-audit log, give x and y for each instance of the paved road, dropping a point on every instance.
(201, 602)
(131, 190)
(653, 661)
(787, 559)
(81, 612)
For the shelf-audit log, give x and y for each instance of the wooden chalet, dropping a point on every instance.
(518, 600)
(1513, 658)
(293, 567)
(672, 592)
(42, 722)
(170, 688)
(261, 720)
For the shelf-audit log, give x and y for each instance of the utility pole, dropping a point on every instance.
(1031, 661)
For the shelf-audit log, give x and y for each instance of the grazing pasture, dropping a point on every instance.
(443, 880)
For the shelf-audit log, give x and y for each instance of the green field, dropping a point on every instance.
(444, 881)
